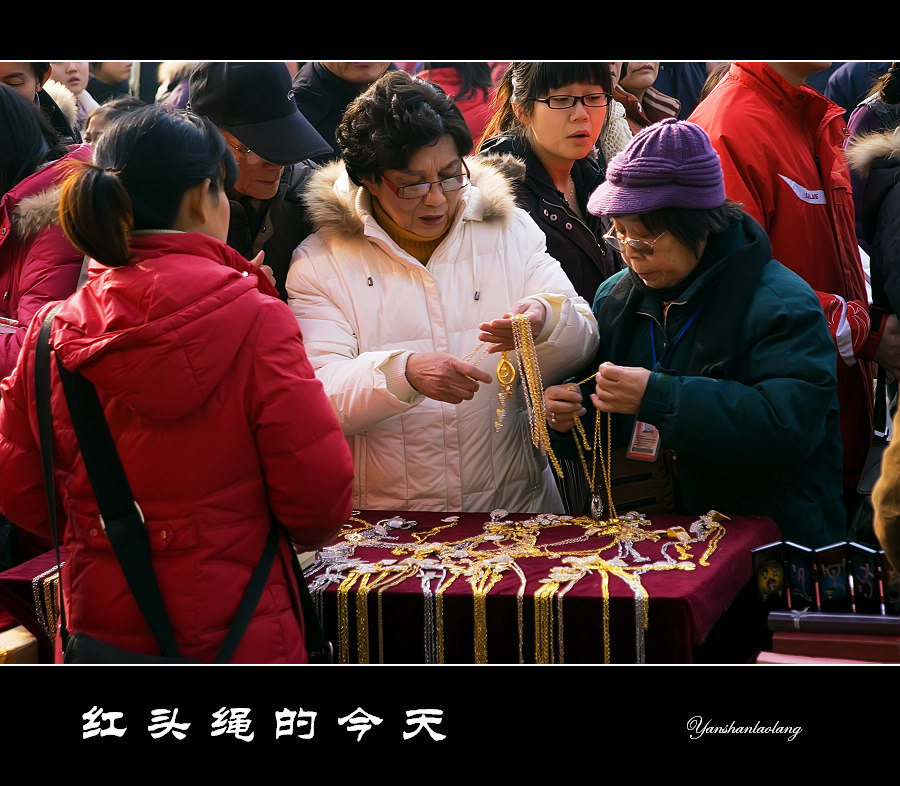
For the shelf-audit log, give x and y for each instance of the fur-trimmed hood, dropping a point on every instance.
(876, 158)
(63, 98)
(35, 213)
(33, 204)
(869, 147)
(509, 164)
(333, 201)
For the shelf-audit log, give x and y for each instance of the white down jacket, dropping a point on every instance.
(364, 305)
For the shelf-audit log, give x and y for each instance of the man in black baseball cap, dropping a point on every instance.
(273, 143)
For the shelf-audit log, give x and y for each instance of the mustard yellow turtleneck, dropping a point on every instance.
(413, 244)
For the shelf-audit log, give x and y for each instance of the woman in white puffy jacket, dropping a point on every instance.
(416, 263)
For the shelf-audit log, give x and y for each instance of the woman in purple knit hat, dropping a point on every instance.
(713, 356)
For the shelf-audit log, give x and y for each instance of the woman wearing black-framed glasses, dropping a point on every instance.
(405, 295)
(548, 118)
(547, 122)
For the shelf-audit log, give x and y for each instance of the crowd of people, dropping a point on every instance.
(321, 305)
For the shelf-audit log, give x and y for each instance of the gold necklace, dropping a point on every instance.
(343, 615)
(405, 573)
(506, 375)
(605, 460)
(362, 619)
(530, 370)
(476, 355)
(482, 583)
(455, 572)
(543, 621)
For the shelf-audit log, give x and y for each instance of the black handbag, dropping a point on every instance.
(124, 524)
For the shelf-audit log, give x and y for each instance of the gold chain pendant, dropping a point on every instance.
(506, 375)
(597, 506)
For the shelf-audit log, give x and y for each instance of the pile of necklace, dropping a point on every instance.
(604, 548)
(484, 560)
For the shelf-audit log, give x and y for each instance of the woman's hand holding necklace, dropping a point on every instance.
(620, 388)
(499, 332)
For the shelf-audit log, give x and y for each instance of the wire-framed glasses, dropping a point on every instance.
(247, 153)
(419, 190)
(591, 100)
(617, 241)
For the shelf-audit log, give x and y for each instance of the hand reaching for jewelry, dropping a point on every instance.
(561, 402)
(443, 377)
(619, 388)
(499, 332)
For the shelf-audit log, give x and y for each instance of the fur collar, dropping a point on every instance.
(510, 164)
(332, 201)
(867, 148)
(34, 213)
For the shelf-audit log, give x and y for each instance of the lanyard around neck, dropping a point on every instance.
(668, 356)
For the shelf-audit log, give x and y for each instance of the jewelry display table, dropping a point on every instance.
(421, 587)
(28, 592)
(510, 588)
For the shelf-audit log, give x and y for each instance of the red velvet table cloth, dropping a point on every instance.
(684, 605)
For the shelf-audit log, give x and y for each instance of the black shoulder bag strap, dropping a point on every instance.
(120, 514)
(45, 432)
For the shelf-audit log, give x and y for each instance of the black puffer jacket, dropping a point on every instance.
(586, 259)
(284, 224)
(877, 158)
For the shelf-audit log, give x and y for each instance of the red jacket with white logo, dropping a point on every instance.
(781, 149)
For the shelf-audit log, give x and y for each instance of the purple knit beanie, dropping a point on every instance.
(668, 164)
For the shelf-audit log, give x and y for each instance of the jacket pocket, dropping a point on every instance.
(178, 533)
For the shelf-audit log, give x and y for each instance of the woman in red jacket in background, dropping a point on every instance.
(471, 87)
(215, 410)
(38, 264)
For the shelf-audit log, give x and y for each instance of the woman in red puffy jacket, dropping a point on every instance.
(38, 264)
(215, 410)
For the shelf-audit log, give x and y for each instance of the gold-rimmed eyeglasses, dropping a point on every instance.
(246, 152)
(644, 247)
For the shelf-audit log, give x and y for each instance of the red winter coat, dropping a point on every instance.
(217, 416)
(781, 149)
(37, 263)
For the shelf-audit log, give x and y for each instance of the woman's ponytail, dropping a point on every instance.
(95, 213)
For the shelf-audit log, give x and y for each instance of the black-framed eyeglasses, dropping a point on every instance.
(644, 247)
(419, 190)
(591, 100)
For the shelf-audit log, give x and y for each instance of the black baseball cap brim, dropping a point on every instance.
(287, 140)
(254, 103)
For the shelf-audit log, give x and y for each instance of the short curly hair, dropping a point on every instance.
(395, 117)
